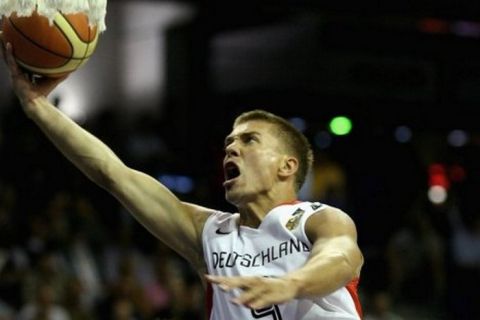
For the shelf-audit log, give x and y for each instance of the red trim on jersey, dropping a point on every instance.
(352, 289)
(209, 300)
(294, 201)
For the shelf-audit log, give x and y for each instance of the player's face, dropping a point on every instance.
(252, 160)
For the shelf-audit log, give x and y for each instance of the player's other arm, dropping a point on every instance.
(334, 261)
(335, 258)
(175, 223)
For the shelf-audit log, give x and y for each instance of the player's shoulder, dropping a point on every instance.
(303, 206)
(334, 212)
(321, 208)
(330, 219)
(300, 210)
(331, 214)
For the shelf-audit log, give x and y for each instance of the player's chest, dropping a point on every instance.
(239, 254)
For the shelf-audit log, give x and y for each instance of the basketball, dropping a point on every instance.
(50, 48)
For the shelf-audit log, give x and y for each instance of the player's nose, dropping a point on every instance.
(232, 150)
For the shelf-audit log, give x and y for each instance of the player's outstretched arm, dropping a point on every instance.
(334, 261)
(175, 223)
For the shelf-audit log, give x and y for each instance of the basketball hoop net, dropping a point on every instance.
(94, 9)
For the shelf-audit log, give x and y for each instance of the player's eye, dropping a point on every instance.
(249, 138)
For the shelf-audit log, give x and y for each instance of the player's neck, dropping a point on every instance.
(253, 213)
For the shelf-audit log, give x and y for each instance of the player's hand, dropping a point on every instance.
(25, 89)
(257, 292)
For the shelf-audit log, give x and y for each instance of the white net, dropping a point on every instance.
(96, 10)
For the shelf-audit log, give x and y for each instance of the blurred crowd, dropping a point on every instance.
(69, 251)
(64, 264)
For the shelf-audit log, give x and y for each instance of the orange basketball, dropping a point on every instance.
(50, 49)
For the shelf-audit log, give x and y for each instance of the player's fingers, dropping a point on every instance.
(260, 302)
(228, 281)
(213, 279)
(252, 281)
(249, 297)
(242, 283)
(220, 281)
(12, 64)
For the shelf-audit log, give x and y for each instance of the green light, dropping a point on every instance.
(340, 126)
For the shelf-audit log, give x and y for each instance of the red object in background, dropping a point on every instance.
(433, 25)
(439, 180)
(437, 175)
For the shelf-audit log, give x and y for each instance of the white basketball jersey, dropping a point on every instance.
(279, 245)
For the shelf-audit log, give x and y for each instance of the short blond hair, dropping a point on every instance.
(295, 142)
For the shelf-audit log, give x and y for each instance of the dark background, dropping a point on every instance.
(382, 64)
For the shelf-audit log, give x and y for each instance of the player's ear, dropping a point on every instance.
(288, 167)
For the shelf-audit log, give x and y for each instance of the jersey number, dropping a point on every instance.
(273, 311)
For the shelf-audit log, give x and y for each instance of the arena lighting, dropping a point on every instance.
(436, 168)
(437, 176)
(439, 180)
(143, 51)
(461, 28)
(340, 125)
(466, 29)
(299, 123)
(403, 134)
(437, 194)
(177, 183)
(70, 98)
(458, 138)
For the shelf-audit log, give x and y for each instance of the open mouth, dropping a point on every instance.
(231, 171)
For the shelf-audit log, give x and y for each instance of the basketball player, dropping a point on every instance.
(277, 258)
